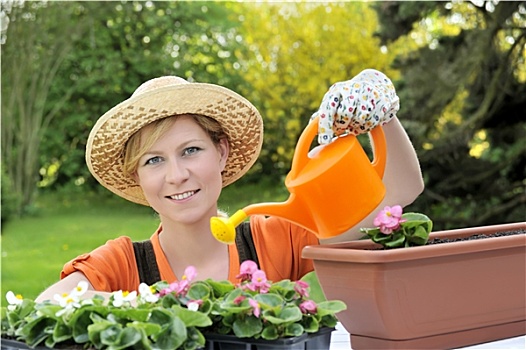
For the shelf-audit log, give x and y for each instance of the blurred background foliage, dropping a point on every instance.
(459, 68)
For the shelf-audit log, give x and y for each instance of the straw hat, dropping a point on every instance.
(164, 97)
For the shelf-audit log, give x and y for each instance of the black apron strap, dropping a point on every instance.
(146, 263)
(245, 243)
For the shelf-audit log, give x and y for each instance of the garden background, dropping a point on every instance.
(459, 69)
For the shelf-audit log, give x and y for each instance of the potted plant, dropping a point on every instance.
(462, 292)
(188, 314)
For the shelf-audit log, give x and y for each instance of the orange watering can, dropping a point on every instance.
(330, 191)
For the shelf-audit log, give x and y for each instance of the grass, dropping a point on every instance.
(35, 248)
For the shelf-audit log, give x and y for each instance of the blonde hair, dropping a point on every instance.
(137, 145)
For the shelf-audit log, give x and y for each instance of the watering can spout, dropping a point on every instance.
(224, 229)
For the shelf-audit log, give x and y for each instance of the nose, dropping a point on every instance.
(176, 172)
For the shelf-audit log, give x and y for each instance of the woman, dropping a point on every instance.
(173, 146)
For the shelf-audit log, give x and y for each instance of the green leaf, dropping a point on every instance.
(132, 314)
(172, 337)
(310, 324)
(111, 334)
(169, 300)
(247, 327)
(37, 330)
(379, 237)
(231, 296)
(147, 328)
(397, 240)
(26, 308)
(289, 314)
(285, 288)
(195, 340)
(220, 288)
(192, 318)
(95, 329)
(49, 310)
(315, 291)
(224, 308)
(199, 291)
(79, 323)
(328, 321)
(330, 307)
(416, 217)
(269, 300)
(61, 332)
(161, 316)
(293, 330)
(206, 306)
(127, 338)
(420, 236)
(270, 332)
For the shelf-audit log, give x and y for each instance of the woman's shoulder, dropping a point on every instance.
(107, 267)
(111, 251)
(119, 244)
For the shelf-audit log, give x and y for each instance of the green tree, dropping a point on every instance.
(38, 40)
(127, 44)
(463, 93)
(85, 57)
(293, 53)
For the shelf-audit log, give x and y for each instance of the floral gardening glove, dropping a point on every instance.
(356, 106)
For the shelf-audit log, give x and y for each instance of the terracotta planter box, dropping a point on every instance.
(437, 296)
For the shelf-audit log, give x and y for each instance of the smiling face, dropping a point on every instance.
(179, 169)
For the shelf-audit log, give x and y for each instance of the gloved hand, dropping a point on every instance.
(356, 106)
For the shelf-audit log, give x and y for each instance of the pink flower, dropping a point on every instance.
(238, 300)
(255, 305)
(170, 289)
(389, 219)
(259, 282)
(184, 283)
(181, 287)
(189, 273)
(302, 288)
(308, 307)
(246, 269)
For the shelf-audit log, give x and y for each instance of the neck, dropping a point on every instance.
(194, 245)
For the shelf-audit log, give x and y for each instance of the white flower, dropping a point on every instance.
(146, 293)
(80, 289)
(68, 301)
(13, 300)
(120, 297)
(71, 300)
(193, 305)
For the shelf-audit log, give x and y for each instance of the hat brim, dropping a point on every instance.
(239, 119)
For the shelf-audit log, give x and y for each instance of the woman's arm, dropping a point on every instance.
(67, 284)
(402, 178)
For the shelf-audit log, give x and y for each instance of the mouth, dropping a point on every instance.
(182, 196)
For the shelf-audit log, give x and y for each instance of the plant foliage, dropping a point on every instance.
(170, 316)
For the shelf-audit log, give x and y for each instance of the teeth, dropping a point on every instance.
(182, 195)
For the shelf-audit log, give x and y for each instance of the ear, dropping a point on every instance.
(136, 178)
(224, 150)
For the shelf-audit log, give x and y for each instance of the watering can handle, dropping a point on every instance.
(301, 157)
(380, 150)
(301, 153)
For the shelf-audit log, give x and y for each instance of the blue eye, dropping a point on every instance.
(153, 160)
(191, 150)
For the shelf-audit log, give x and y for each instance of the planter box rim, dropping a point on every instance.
(363, 251)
